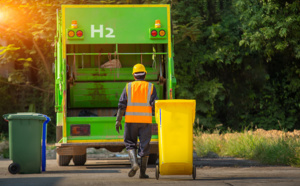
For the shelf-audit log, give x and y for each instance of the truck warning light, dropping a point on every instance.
(157, 32)
(157, 24)
(71, 33)
(74, 24)
(74, 29)
(154, 33)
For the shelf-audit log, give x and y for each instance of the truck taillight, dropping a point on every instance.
(71, 33)
(162, 33)
(74, 32)
(154, 33)
(158, 32)
(80, 130)
(79, 33)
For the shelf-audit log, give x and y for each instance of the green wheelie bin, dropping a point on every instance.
(25, 135)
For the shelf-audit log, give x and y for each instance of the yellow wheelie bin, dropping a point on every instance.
(175, 120)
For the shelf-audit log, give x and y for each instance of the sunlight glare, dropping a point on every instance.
(1, 17)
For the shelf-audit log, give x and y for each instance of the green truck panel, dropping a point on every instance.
(88, 38)
(100, 128)
(105, 24)
(104, 94)
(114, 74)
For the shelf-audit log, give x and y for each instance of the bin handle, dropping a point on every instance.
(5, 117)
(44, 143)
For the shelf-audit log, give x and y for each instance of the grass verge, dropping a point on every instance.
(4, 148)
(268, 147)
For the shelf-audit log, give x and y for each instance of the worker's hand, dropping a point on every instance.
(118, 126)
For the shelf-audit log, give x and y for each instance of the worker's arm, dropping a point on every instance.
(123, 100)
(152, 99)
(121, 109)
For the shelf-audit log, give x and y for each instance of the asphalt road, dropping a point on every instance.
(220, 172)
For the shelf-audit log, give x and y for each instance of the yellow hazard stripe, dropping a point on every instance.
(108, 6)
(102, 141)
(169, 32)
(63, 32)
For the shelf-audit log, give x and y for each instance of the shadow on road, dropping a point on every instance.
(114, 165)
(31, 181)
(213, 179)
(86, 171)
(225, 162)
(101, 166)
(245, 178)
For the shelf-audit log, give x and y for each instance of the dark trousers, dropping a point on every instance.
(141, 130)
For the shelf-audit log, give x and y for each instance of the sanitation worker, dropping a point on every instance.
(137, 102)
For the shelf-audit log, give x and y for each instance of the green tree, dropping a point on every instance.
(239, 60)
(29, 28)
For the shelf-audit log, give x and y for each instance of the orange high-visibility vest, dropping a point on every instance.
(138, 108)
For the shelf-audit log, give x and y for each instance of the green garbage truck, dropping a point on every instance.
(96, 47)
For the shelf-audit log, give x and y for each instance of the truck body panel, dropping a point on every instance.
(87, 89)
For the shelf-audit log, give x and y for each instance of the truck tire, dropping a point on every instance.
(152, 159)
(79, 160)
(63, 160)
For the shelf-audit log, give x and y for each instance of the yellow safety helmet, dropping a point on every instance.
(138, 68)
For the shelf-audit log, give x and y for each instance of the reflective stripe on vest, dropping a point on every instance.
(138, 108)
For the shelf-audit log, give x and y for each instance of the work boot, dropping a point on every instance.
(144, 162)
(134, 163)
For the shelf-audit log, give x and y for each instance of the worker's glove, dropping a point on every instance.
(120, 113)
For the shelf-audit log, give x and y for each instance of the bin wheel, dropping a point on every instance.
(14, 168)
(63, 160)
(79, 160)
(157, 172)
(194, 172)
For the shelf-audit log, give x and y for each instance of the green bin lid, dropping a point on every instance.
(24, 115)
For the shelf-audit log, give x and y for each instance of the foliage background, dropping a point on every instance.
(238, 58)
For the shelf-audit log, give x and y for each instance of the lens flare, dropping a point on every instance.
(1, 16)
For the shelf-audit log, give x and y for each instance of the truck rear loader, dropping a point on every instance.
(96, 47)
